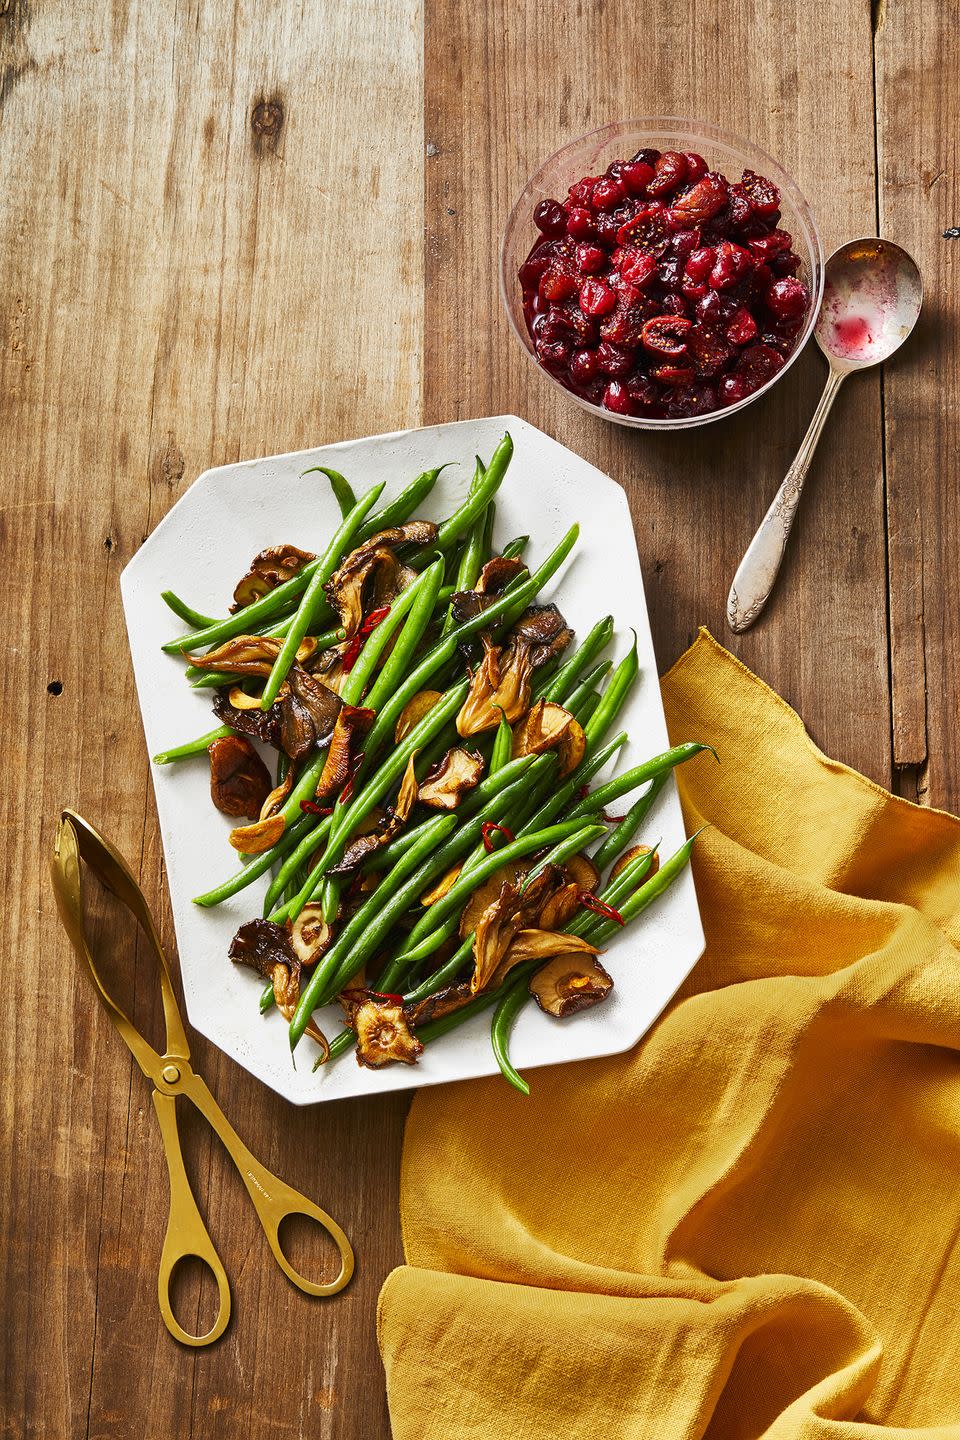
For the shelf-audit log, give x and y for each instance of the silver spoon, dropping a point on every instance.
(872, 295)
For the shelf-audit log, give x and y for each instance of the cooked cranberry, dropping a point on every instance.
(665, 335)
(696, 165)
(606, 194)
(693, 289)
(614, 360)
(637, 267)
(590, 259)
(584, 365)
(700, 263)
(786, 263)
(645, 157)
(636, 176)
(697, 398)
(581, 326)
(607, 227)
(558, 284)
(742, 328)
(709, 310)
(580, 223)
(550, 217)
(531, 270)
(596, 298)
(702, 201)
(617, 398)
(732, 389)
(788, 299)
(581, 192)
(647, 228)
(554, 325)
(643, 391)
(764, 247)
(758, 364)
(672, 374)
(684, 242)
(764, 195)
(673, 304)
(669, 272)
(614, 171)
(669, 172)
(708, 348)
(739, 208)
(552, 352)
(620, 327)
(732, 263)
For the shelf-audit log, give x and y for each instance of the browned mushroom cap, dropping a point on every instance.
(497, 574)
(634, 853)
(583, 872)
(374, 569)
(513, 910)
(366, 845)
(560, 907)
(249, 654)
(501, 683)
(547, 726)
(570, 982)
(308, 713)
(414, 711)
(445, 785)
(310, 934)
(268, 569)
(254, 839)
(538, 944)
(277, 795)
(262, 944)
(445, 883)
(444, 1002)
(384, 1034)
(486, 893)
(545, 631)
(352, 722)
(239, 780)
(259, 724)
(407, 794)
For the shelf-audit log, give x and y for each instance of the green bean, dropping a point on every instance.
(256, 866)
(192, 747)
(471, 561)
(513, 550)
(621, 834)
(508, 1008)
(502, 744)
(575, 700)
(589, 766)
(566, 677)
(562, 851)
(395, 667)
(339, 484)
(309, 843)
(630, 779)
(267, 998)
(186, 612)
(314, 594)
(621, 683)
(396, 512)
(361, 935)
(648, 892)
(478, 497)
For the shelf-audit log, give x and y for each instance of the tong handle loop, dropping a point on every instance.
(274, 1200)
(186, 1235)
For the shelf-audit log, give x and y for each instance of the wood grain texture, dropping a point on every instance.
(228, 230)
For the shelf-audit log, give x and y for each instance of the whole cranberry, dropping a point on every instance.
(786, 263)
(616, 397)
(696, 165)
(596, 298)
(635, 176)
(732, 389)
(709, 310)
(669, 172)
(584, 366)
(788, 299)
(614, 171)
(606, 194)
(764, 195)
(554, 325)
(669, 272)
(550, 217)
(557, 284)
(580, 223)
(758, 364)
(645, 157)
(614, 360)
(673, 304)
(765, 247)
(581, 192)
(644, 392)
(742, 328)
(531, 270)
(697, 398)
(637, 267)
(733, 262)
(607, 227)
(693, 289)
(684, 242)
(700, 263)
(552, 352)
(581, 326)
(590, 259)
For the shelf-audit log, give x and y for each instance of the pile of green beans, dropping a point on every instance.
(523, 809)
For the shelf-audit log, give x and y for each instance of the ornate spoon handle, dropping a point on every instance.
(759, 567)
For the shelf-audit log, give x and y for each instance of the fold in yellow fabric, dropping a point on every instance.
(748, 1225)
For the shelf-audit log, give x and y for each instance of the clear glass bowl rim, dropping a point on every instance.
(663, 127)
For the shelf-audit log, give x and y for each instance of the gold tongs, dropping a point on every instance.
(172, 1075)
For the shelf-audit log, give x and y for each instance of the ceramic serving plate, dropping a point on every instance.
(200, 550)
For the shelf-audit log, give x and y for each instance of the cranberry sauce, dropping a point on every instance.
(660, 289)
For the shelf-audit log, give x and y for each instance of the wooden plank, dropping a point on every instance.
(917, 51)
(505, 86)
(210, 233)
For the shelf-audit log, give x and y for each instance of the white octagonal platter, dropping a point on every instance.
(204, 545)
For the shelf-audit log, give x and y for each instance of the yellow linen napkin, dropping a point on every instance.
(747, 1226)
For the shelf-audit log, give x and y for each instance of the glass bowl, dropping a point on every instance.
(590, 155)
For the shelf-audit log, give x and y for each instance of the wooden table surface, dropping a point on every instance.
(229, 230)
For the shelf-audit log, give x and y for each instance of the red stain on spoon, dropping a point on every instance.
(852, 337)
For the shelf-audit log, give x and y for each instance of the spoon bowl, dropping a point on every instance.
(872, 296)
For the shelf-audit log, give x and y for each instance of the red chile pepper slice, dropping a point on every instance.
(382, 995)
(489, 828)
(346, 794)
(351, 654)
(590, 902)
(375, 618)
(312, 808)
